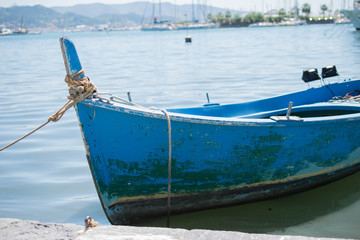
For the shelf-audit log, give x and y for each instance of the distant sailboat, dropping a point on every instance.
(158, 24)
(196, 23)
(293, 21)
(21, 29)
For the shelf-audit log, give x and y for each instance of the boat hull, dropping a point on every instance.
(354, 16)
(215, 161)
(138, 210)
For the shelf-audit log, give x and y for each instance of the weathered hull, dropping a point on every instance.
(138, 210)
(221, 154)
(215, 161)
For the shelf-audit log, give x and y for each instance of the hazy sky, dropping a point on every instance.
(255, 5)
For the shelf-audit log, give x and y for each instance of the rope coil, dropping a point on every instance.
(79, 89)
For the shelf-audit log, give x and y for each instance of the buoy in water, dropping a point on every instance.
(188, 39)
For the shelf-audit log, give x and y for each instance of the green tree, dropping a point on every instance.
(220, 17)
(323, 8)
(294, 11)
(306, 9)
(209, 17)
(254, 17)
(228, 19)
(282, 13)
(237, 18)
(273, 19)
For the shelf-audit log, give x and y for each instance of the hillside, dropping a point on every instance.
(40, 17)
(98, 9)
(118, 15)
(141, 12)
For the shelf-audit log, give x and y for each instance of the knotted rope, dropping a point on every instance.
(79, 89)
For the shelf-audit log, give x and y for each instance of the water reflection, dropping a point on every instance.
(275, 216)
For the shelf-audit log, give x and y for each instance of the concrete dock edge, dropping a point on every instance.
(16, 229)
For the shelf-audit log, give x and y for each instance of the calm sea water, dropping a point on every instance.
(46, 177)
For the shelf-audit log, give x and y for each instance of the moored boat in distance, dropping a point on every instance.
(292, 22)
(195, 25)
(21, 31)
(5, 32)
(159, 26)
(264, 24)
(215, 155)
(354, 15)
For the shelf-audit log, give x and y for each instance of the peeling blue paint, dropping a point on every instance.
(221, 154)
(128, 152)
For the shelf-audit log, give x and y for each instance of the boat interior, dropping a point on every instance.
(334, 99)
(321, 109)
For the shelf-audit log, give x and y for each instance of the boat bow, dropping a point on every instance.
(221, 154)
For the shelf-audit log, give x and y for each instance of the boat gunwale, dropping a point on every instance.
(211, 120)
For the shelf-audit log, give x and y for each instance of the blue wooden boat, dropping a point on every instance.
(221, 155)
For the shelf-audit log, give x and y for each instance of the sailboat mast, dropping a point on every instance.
(160, 11)
(296, 10)
(153, 12)
(193, 11)
(22, 22)
(175, 12)
(205, 11)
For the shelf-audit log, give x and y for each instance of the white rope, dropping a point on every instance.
(169, 167)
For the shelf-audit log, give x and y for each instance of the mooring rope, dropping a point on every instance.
(79, 89)
(353, 96)
(169, 167)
